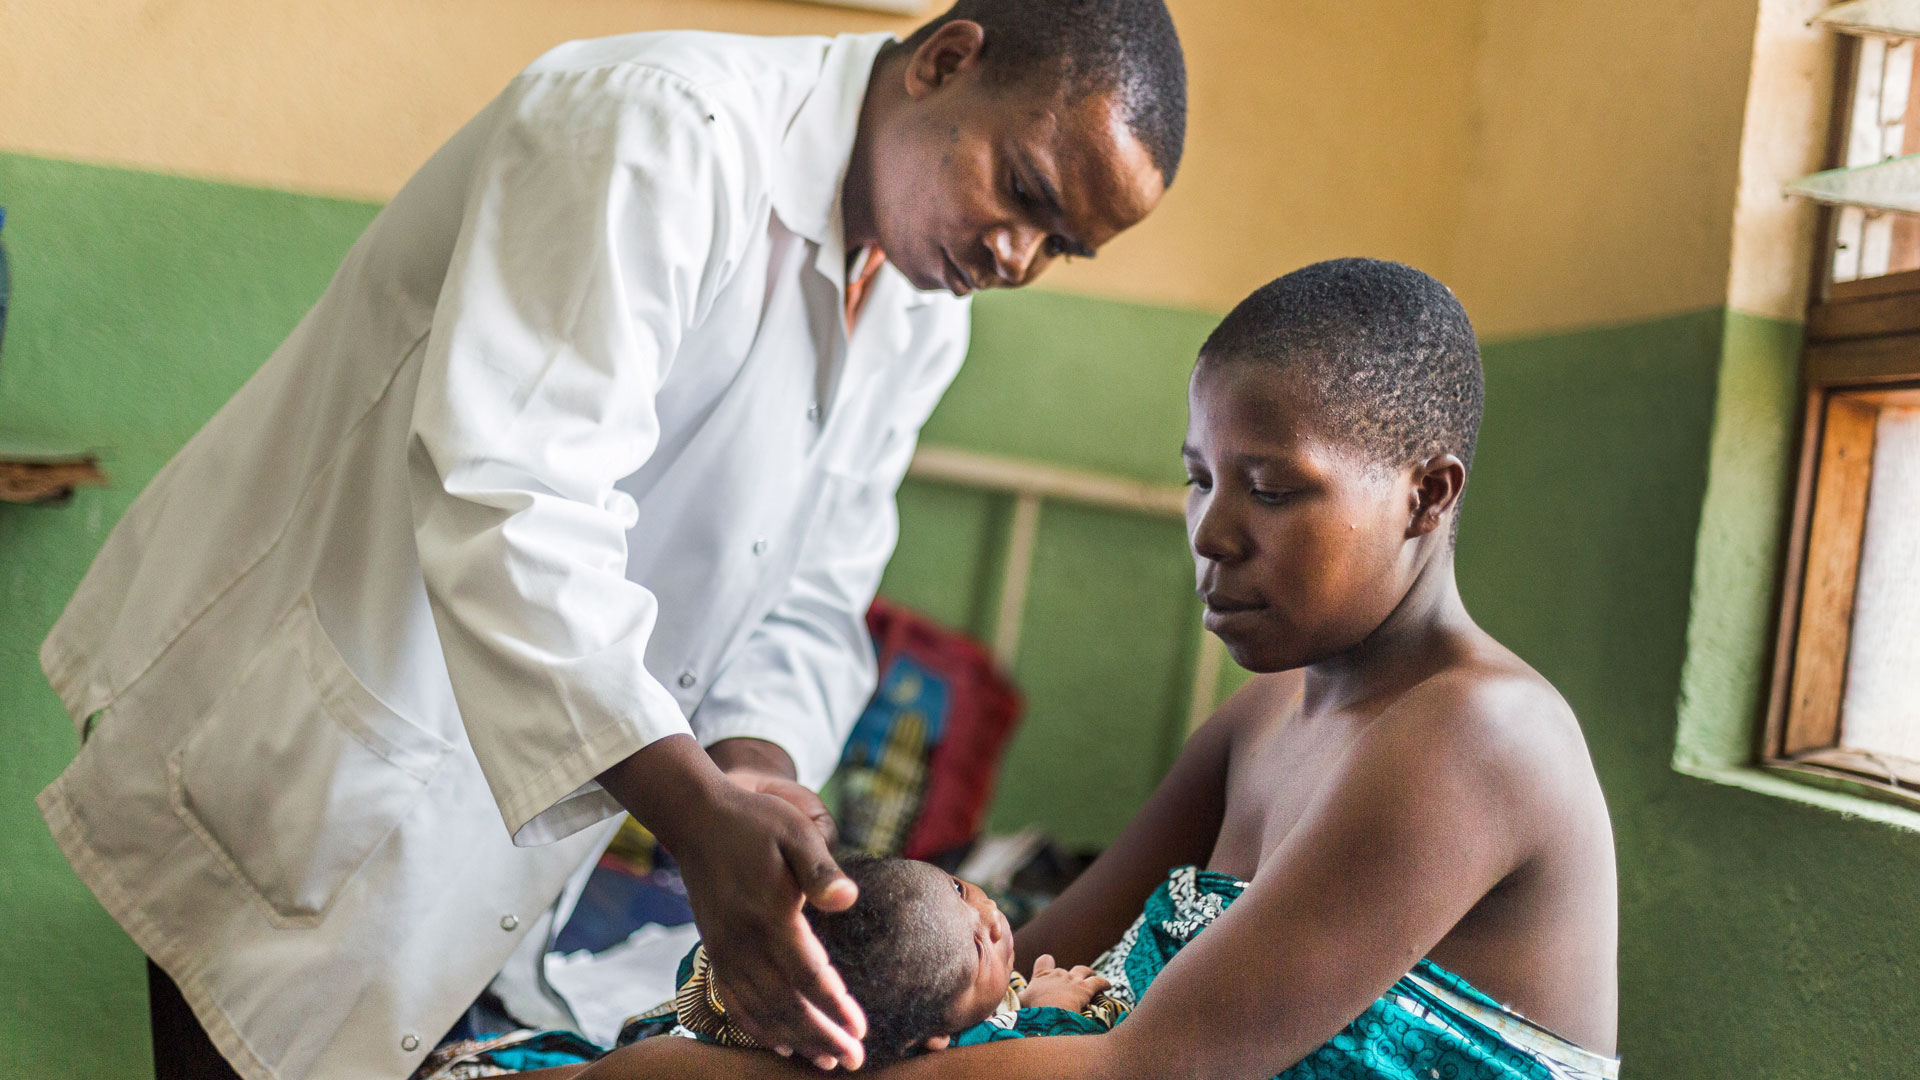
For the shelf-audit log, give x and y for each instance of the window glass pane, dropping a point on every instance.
(1870, 243)
(1881, 710)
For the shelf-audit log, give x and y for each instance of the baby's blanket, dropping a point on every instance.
(1431, 1023)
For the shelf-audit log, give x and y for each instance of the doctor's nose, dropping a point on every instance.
(1017, 253)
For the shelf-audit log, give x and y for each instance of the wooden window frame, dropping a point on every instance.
(1862, 356)
(1823, 564)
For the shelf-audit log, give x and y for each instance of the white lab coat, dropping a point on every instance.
(575, 452)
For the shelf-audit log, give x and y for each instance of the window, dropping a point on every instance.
(1869, 243)
(1846, 692)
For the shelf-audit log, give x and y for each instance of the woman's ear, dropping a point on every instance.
(1436, 489)
(951, 50)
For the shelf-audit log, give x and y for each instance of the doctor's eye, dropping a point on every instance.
(1020, 194)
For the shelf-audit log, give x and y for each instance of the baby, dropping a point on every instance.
(924, 953)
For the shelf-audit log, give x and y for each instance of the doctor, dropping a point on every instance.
(566, 498)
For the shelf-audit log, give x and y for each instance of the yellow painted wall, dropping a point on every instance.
(335, 96)
(1332, 130)
(1318, 128)
(1601, 188)
(1563, 164)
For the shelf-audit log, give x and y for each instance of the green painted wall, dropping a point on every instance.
(1743, 525)
(1761, 937)
(1111, 623)
(140, 303)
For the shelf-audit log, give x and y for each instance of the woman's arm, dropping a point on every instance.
(1430, 809)
(1417, 824)
(1177, 826)
(685, 1059)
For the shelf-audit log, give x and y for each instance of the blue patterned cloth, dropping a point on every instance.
(1431, 1025)
(506, 1053)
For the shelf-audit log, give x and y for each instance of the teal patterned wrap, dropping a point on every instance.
(1430, 1025)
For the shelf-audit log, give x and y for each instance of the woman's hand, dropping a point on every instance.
(1072, 989)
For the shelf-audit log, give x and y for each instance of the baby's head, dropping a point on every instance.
(924, 953)
(1331, 422)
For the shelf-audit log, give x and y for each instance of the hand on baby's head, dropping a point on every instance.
(924, 953)
(1052, 986)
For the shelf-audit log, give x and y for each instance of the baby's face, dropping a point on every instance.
(989, 948)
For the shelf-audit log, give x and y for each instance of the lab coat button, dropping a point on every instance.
(509, 922)
(813, 411)
(687, 679)
(409, 1043)
(760, 547)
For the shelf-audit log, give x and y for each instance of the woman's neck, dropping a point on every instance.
(1414, 640)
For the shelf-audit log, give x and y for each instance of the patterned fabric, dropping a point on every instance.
(698, 1009)
(695, 1014)
(506, 1055)
(1012, 1021)
(883, 774)
(1430, 1025)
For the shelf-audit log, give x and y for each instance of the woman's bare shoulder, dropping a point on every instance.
(1495, 723)
(1496, 706)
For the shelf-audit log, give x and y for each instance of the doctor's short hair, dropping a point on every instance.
(1386, 353)
(1125, 47)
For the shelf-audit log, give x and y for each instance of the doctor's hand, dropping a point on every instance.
(760, 766)
(752, 852)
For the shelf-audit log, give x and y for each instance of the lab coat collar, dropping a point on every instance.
(818, 144)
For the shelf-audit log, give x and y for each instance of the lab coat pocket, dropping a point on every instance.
(298, 774)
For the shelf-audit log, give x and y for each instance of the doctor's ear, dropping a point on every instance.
(1436, 489)
(953, 49)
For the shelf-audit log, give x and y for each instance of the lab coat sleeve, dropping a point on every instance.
(599, 223)
(808, 668)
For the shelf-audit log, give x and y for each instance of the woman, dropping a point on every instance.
(1399, 823)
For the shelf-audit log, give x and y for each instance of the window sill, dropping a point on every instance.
(1811, 786)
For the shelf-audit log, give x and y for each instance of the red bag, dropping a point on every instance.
(928, 747)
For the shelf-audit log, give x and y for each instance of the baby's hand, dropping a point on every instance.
(1072, 989)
